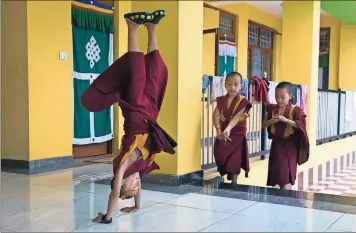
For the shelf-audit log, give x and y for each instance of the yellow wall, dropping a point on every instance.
(183, 22)
(14, 83)
(120, 48)
(306, 49)
(328, 21)
(211, 18)
(245, 13)
(49, 79)
(189, 114)
(37, 93)
(167, 36)
(347, 57)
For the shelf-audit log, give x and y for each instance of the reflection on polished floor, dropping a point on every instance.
(65, 201)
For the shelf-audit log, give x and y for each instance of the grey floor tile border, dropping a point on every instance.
(254, 195)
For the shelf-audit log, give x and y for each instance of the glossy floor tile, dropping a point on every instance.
(212, 203)
(241, 223)
(162, 218)
(307, 219)
(67, 200)
(345, 223)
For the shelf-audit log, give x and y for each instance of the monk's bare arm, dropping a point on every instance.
(115, 192)
(292, 123)
(216, 115)
(235, 119)
(138, 198)
(267, 123)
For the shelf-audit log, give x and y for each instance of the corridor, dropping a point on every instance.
(67, 200)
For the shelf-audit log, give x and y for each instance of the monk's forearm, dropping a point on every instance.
(138, 199)
(111, 205)
(233, 123)
(115, 192)
(216, 119)
(266, 124)
(292, 123)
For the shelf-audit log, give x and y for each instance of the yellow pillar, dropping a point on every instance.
(300, 53)
(120, 48)
(242, 41)
(180, 36)
(347, 58)
(37, 85)
(277, 57)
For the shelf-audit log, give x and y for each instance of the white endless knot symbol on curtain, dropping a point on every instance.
(93, 52)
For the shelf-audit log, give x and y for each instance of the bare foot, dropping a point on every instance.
(288, 187)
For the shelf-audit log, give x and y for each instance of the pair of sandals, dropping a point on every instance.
(146, 17)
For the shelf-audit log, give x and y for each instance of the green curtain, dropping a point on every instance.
(323, 61)
(92, 54)
(226, 65)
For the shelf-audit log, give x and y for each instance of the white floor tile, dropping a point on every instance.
(70, 215)
(345, 223)
(308, 219)
(332, 192)
(34, 197)
(337, 186)
(162, 218)
(213, 203)
(241, 223)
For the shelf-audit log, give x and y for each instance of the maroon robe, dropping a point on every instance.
(260, 91)
(137, 82)
(290, 146)
(230, 157)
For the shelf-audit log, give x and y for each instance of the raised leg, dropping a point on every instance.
(136, 68)
(156, 70)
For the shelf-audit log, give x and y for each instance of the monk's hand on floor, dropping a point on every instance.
(129, 209)
(97, 219)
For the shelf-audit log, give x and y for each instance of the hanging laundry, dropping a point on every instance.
(349, 103)
(294, 90)
(217, 88)
(272, 92)
(244, 87)
(206, 83)
(260, 93)
(303, 97)
(320, 78)
(267, 83)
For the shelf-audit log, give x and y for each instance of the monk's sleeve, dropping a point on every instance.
(302, 139)
(247, 106)
(95, 101)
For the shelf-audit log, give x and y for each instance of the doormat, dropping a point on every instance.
(107, 160)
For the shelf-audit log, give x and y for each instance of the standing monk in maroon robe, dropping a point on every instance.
(286, 126)
(229, 118)
(137, 82)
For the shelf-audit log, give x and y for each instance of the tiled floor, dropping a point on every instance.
(342, 183)
(67, 200)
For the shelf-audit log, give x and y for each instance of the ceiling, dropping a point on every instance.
(344, 11)
(272, 7)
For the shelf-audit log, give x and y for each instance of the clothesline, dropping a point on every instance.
(262, 91)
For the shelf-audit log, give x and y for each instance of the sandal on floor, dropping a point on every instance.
(157, 16)
(139, 17)
(104, 221)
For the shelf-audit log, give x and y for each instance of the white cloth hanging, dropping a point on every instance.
(272, 92)
(218, 88)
